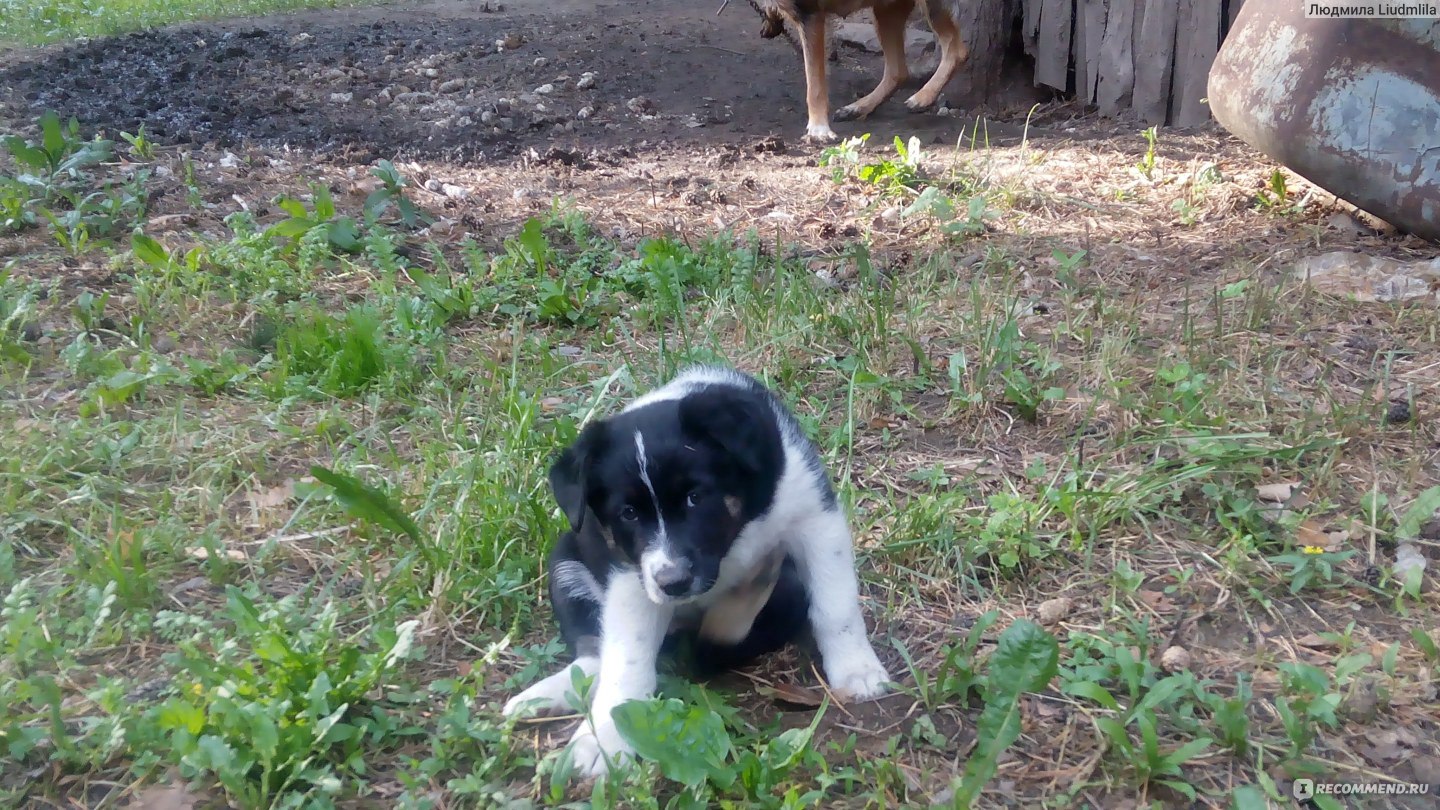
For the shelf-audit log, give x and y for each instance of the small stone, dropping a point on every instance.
(585, 112)
(430, 73)
(1399, 413)
(1175, 659)
(544, 89)
(452, 86)
(507, 124)
(341, 98)
(1051, 611)
(587, 81)
(488, 118)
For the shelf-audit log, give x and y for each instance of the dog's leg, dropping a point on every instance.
(890, 29)
(631, 630)
(817, 90)
(953, 53)
(822, 549)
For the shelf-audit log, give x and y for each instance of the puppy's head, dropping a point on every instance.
(669, 486)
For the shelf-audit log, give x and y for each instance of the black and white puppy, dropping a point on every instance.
(701, 507)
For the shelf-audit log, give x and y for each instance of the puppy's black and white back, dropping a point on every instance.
(700, 507)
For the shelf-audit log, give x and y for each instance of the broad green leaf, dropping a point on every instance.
(1093, 691)
(149, 251)
(1248, 797)
(345, 234)
(366, 503)
(181, 714)
(52, 138)
(1425, 643)
(264, 734)
(688, 742)
(1422, 510)
(293, 207)
(1026, 659)
(1188, 751)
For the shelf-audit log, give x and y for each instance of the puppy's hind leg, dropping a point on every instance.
(890, 29)
(953, 53)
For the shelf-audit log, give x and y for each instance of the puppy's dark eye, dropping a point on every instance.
(694, 497)
(628, 513)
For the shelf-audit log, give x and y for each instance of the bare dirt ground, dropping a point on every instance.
(657, 117)
(431, 80)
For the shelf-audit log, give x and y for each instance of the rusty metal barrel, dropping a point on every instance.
(1352, 105)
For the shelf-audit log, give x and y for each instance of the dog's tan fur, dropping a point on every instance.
(810, 17)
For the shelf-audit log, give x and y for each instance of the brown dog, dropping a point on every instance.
(809, 16)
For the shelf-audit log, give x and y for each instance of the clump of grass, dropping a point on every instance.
(339, 355)
(36, 23)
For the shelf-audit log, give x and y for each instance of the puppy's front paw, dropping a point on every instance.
(850, 112)
(858, 676)
(820, 133)
(594, 750)
(544, 698)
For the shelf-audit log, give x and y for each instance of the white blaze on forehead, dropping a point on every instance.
(649, 486)
(657, 552)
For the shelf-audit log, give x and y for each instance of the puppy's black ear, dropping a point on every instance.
(568, 473)
(740, 423)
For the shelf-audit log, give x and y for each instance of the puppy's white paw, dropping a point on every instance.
(593, 750)
(820, 133)
(858, 676)
(544, 698)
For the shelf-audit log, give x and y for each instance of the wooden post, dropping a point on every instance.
(1154, 57)
(1198, 40)
(1117, 58)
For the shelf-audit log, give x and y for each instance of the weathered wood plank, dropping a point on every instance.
(1030, 23)
(1052, 42)
(1094, 13)
(1154, 60)
(1198, 26)
(1116, 75)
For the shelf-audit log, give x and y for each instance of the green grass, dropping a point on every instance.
(273, 517)
(36, 22)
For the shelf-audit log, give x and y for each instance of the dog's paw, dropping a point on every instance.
(850, 112)
(542, 699)
(593, 751)
(920, 102)
(858, 676)
(820, 133)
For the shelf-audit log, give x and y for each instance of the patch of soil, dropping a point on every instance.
(455, 81)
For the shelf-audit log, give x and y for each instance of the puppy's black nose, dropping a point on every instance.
(674, 578)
